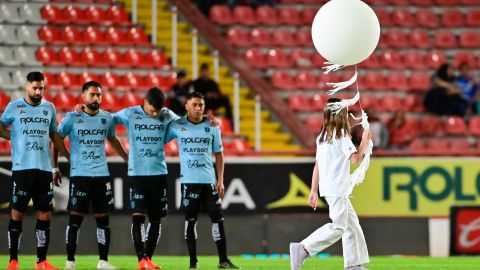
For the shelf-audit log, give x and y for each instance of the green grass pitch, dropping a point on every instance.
(210, 262)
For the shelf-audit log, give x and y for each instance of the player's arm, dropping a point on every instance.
(56, 174)
(213, 120)
(357, 156)
(313, 198)
(220, 166)
(59, 145)
(6, 120)
(118, 147)
(4, 132)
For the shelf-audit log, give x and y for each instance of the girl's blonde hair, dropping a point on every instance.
(334, 122)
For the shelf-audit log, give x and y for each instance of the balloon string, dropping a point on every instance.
(356, 84)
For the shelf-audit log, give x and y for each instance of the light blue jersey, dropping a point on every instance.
(29, 134)
(146, 136)
(196, 144)
(87, 134)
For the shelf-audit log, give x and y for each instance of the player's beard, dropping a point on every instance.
(36, 98)
(94, 106)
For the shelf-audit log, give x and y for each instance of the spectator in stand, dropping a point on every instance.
(444, 98)
(209, 88)
(180, 89)
(466, 82)
(401, 131)
(378, 129)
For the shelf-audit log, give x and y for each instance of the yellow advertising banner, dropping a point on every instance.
(417, 187)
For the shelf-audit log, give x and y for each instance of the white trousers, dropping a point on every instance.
(344, 225)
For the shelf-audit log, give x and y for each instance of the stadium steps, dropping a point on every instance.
(273, 137)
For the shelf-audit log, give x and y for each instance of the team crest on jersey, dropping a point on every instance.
(80, 121)
(22, 112)
(207, 129)
(183, 129)
(104, 121)
(45, 112)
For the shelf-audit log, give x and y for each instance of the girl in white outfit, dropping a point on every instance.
(331, 176)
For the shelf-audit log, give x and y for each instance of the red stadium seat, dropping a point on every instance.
(435, 59)
(238, 36)
(240, 145)
(460, 147)
(369, 102)
(221, 14)
(47, 56)
(64, 101)
(95, 14)
(93, 35)
(315, 123)
(374, 81)
(390, 103)
(383, 16)
(430, 125)
(167, 82)
(136, 35)
(391, 59)
(445, 39)
(424, 3)
(318, 102)
(413, 103)
(417, 147)
(111, 80)
(91, 57)
(436, 147)
(171, 148)
(323, 79)
(278, 58)
(110, 102)
(420, 39)
(266, 15)
(130, 100)
(288, 16)
(74, 14)
(397, 39)
(153, 79)
(318, 60)
(71, 35)
(397, 81)
(300, 58)
(455, 125)
(52, 13)
(453, 18)
(372, 61)
(4, 100)
(51, 81)
(87, 76)
(256, 58)
(304, 37)
(470, 39)
(473, 18)
(307, 15)
(113, 58)
(298, 102)
(156, 58)
(427, 18)
(68, 80)
(402, 17)
(134, 81)
(115, 36)
(283, 80)
(116, 15)
(244, 15)
(69, 56)
(305, 80)
(134, 58)
(225, 126)
(464, 57)
(474, 125)
(260, 36)
(283, 37)
(420, 81)
(470, 2)
(49, 34)
(414, 60)
(446, 2)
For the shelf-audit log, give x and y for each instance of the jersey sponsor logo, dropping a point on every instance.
(36, 120)
(90, 155)
(90, 142)
(34, 132)
(35, 146)
(148, 153)
(196, 140)
(83, 132)
(183, 129)
(195, 164)
(195, 150)
(148, 139)
(22, 112)
(138, 117)
(80, 121)
(148, 127)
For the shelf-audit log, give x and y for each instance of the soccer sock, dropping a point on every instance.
(191, 236)
(71, 236)
(218, 234)
(42, 231)
(138, 235)
(14, 234)
(154, 232)
(103, 237)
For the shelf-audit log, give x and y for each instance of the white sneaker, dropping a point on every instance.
(70, 265)
(105, 265)
(297, 256)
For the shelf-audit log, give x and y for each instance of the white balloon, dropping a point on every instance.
(345, 32)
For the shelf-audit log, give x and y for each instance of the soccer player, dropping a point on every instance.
(33, 121)
(331, 176)
(89, 175)
(197, 141)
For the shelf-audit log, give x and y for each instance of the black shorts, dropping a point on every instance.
(84, 189)
(149, 194)
(200, 196)
(32, 184)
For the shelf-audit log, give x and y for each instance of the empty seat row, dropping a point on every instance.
(93, 35)
(18, 34)
(425, 3)
(428, 18)
(239, 36)
(89, 15)
(20, 13)
(92, 57)
(15, 56)
(110, 80)
(417, 81)
(442, 147)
